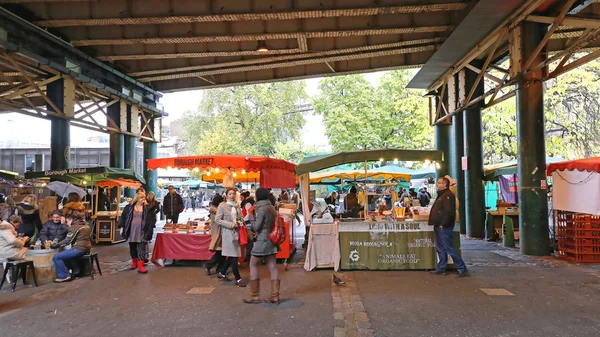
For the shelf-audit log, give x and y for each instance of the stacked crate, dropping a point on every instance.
(578, 236)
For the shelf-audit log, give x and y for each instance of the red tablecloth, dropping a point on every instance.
(180, 247)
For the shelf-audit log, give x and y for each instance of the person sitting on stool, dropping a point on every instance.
(77, 243)
(54, 229)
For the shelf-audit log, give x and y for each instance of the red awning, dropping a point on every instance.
(120, 182)
(274, 173)
(587, 164)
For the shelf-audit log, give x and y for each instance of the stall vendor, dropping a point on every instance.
(54, 229)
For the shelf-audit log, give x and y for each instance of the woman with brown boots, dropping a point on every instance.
(263, 248)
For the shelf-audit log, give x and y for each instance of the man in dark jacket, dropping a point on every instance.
(54, 229)
(172, 205)
(423, 197)
(442, 218)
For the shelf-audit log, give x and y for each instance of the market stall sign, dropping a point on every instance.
(387, 246)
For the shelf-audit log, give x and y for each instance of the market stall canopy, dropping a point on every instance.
(587, 164)
(493, 171)
(332, 177)
(576, 185)
(120, 182)
(272, 172)
(317, 163)
(10, 176)
(90, 175)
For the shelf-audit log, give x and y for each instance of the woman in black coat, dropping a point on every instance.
(153, 209)
(135, 228)
(30, 214)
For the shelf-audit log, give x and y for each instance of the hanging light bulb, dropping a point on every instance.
(427, 163)
(217, 169)
(380, 160)
(208, 174)
(84, 182)
(169, 167)
(437, 165)
(196, 169)
(234, 174)
(243, 171)
(395, 160)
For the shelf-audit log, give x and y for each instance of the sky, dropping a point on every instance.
(18, 129)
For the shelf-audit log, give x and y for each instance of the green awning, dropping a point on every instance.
(317, 163)
(10, 176)
(90, 174)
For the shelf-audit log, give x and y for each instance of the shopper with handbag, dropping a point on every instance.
(229, 217)
(266, 216)
(216, 238)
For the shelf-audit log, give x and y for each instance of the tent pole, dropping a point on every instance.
(366, 195)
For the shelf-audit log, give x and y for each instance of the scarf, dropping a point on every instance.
(234, 206)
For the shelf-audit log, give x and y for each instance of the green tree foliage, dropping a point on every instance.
(572, 112)
(358, 115)
(251, 119)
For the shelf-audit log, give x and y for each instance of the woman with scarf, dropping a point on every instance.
(30, 214)
(136, 228)
(229, 216)
(263, 248)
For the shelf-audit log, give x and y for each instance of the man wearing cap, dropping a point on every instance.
(54, 228)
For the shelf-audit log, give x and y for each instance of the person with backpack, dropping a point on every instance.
(424, 197)
(266, 215)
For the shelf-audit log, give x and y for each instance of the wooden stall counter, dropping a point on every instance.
(106, 227)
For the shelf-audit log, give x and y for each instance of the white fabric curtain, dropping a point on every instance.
(576, 191)
(305, 195)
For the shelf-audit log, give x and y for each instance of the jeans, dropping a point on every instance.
(444, 247)
(64, 258)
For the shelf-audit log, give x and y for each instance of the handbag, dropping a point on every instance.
(243, 235)
(277, 235)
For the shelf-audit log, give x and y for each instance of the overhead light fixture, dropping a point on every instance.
(380, 159)
(427, 162)
(85, 182)
(234, 174)
(243, 171)
(437, 165)
(395, 160)
(208, 174)
(262, 47)
(196, 169)
(217, 169)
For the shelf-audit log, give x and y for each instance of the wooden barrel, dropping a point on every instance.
(42, 262)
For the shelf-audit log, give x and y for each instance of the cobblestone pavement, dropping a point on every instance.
(507, 294)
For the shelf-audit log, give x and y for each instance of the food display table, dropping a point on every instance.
(180, 246)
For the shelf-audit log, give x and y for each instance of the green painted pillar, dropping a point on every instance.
(151, 176)
(533, 203)
(473, 149)
(116, 147)
(60, 129)
(442, 143)
(458, 147)
(129, 159)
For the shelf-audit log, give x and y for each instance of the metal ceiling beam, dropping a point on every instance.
(266, 16)
(133, 57)
(360, 55)
(265, 36)
(569, 21)
(169, 87)
(421, 42)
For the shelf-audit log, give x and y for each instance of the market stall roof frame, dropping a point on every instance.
(89, 174)
(10, 176)
(332, 177)
(317, 163)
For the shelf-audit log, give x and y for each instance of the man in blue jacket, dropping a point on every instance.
(442, 218)
(54, 229)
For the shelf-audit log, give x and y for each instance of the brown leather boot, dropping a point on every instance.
(254, 292)
(274, 292)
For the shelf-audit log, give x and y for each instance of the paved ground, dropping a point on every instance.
(507, 295)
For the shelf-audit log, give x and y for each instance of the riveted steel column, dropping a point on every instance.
(457, 149)
(473, 150)
(533, 204)
(116, 150)
(60, 128)
(442, 141)
(151, 176)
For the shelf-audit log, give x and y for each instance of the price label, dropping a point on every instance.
(543, 184)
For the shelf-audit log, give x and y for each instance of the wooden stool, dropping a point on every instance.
(90, 258)
(17, 267)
